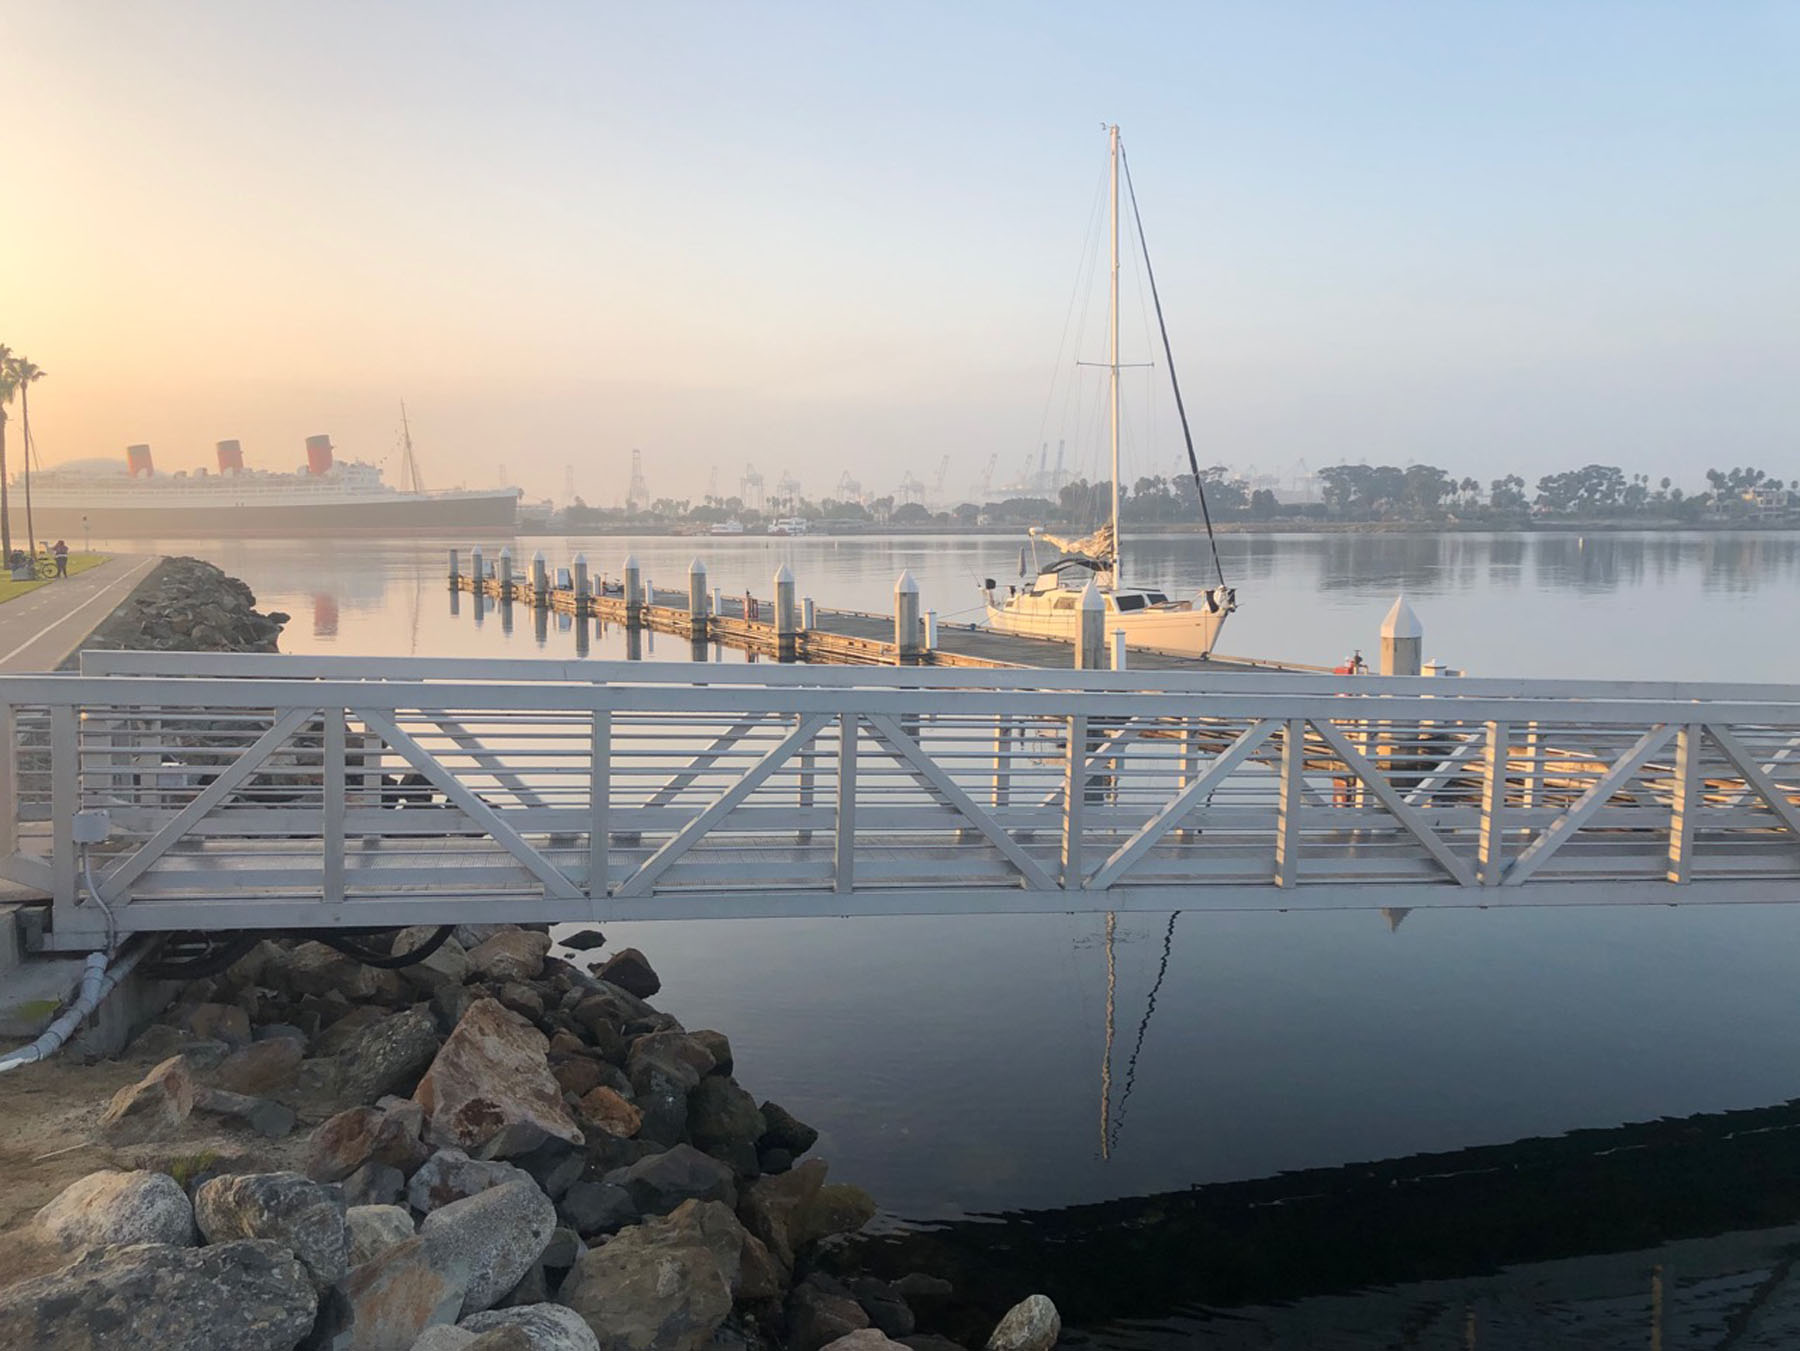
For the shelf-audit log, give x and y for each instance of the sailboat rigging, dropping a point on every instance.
(1148, 616)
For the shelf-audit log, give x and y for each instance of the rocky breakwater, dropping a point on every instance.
(186, 605)
(491, 1148)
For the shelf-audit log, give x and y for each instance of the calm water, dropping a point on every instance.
(957, 1067)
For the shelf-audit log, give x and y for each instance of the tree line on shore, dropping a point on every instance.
(1348, 492)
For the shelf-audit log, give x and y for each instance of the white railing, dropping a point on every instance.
(303, 792)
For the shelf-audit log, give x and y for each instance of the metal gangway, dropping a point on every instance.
(161, 791)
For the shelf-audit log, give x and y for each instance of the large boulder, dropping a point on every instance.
(387, 1057)
(375, 1229)
(245, 1296)
(591, 1208)
(603, 1109)
(260, 1068)
(496, 1235)
(287, 1208)
(664, 1285)
(770, 1206)
(153, 1108)
(384, 1304)
(315, 969)
(490, 1090)
(661, 1182)
(450, 1175)
(448, 964)
(218, 1022)
(820, 1312)
(836, 1208)
(110, 1207)
(547, 1327)
(1030, 1325)
(675, 1054)
(887, 1307)
(631, 971)
(724, 1122)
(871, 1339)
(786, 1131)
(358, 1135)
(512, 954)
(266, 1118)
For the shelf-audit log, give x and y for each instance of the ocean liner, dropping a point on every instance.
(110, 499)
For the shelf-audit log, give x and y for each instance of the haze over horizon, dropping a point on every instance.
(821, 238)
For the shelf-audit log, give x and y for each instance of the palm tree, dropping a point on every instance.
(6, 393)
(25, 374)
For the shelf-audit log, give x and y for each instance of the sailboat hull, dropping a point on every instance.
(1190, 633)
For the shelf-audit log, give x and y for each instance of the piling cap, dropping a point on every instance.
(581, 560)
(905, 585)
(1091, 599)
(1401, 622)
(506, 553)
(697, 568)
(538, 557)
(631, 562)
(783, 575)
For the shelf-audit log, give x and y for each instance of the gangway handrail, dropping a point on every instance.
(766, 674)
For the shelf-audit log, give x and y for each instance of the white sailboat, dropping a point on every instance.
(1049, 607)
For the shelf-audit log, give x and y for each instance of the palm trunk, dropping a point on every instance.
(5, 507)
(25, 436)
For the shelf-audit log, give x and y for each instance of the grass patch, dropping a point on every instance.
(185, 1169)
(10, 589)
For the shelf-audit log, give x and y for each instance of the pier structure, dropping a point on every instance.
(792, 627)
(178, 791)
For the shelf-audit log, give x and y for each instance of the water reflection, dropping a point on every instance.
(1654, 1231)
(1549, 604)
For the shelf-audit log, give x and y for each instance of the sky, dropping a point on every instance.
(829, 238)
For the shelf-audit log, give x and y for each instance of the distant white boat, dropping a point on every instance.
(790, 525)
(1050, 606)
(732, 527)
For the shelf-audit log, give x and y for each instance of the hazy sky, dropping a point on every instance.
(1487, 235)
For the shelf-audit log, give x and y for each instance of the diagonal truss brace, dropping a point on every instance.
(1756, 777)
(117, 883)
(1389, 796)
(1127, 855)
(640, 882)
(556, 883)
(1590, 802)
(888, 732)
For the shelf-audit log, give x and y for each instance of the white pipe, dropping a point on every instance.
(97, 981)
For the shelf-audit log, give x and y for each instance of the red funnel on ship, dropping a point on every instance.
(231, 457)
(318, 455)
(137, 460)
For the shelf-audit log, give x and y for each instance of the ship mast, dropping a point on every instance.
(410, 464)
(1112, 360)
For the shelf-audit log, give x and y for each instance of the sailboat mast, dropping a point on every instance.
(1112, 361)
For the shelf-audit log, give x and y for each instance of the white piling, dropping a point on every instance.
(1118, 649)
(906, 619)
(477, 569)
(455, 574)
(1402, 640)
(583, 588)
(808, 615)
(787, 619)
(699, 599)
(931, 631)
(506, 580)
(634, 591)
(540, 580)
(1090, 638)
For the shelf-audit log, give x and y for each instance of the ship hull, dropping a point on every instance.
(466, 513)
(1189, 633)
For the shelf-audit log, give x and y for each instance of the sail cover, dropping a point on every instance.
(1097, 546)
